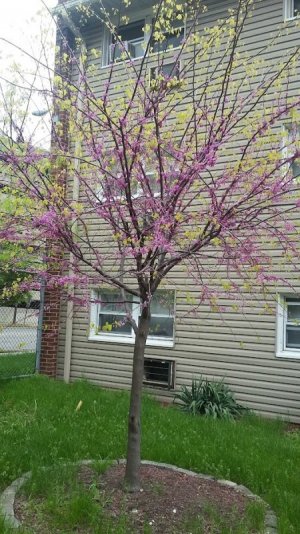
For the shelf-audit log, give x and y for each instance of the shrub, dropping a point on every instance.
(209, 398)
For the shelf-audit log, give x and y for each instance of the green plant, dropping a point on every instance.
(16, 364)
(230, 523)
(209, 398)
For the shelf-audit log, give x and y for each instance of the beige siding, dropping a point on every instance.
(236, 346)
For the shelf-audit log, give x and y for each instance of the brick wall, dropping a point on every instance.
(50, 332)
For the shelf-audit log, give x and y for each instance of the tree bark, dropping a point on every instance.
(132, 473)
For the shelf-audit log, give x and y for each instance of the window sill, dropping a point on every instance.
(121, 62)
(124, 340)
(158, 386)
(293, 354)
(152, 54)
(289, 19)
(175, 48)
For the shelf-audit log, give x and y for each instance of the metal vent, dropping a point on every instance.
(159, 373)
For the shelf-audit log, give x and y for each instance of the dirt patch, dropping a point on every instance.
(292, 428)
(167, 503)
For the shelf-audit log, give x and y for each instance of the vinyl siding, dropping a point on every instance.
(237, 346)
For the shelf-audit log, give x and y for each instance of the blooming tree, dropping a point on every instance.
(175, 160)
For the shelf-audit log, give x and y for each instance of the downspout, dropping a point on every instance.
(75, 198)
(40, 327)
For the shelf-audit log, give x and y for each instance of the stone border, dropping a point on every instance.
(7, 499)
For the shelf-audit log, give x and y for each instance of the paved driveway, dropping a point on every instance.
(17, 338)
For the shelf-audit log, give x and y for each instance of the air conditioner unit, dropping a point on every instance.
(116, 50)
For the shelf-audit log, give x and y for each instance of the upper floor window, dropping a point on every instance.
(288, 327)
(131, 43)
(167, 72)
(292, 8)
(133, 37)
(168, 40)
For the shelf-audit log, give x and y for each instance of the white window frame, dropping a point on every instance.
(183, 26)
(289, 10)
(139, 190)
(282, 351)
(107, 40)
(286, 151)
(148, 19)
(124, 49)
(155, 69)
(154, 341)
(138, 193)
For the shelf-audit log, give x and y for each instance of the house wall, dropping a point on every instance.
(238, 346)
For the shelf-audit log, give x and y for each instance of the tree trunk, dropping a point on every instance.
(132, 474)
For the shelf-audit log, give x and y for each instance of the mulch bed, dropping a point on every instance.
(291, 428)
(168, 498)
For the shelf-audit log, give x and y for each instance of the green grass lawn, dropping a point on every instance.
(12, 365)
(40, 427)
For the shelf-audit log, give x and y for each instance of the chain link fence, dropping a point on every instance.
(18, 339)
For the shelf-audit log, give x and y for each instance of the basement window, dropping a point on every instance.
(159, 373)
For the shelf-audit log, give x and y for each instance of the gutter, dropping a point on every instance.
(69, 5)
(69, 23)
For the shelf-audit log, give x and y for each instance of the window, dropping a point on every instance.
(292, 9)
(132, 42)
(112, 313)
(296, 169)
(170, 40)
(133, 39)
(162, 315)
(140, 190)
(110, 323)
(167, 71)
(159, 373)
(288, 327)
(111, 188)
(292, 138)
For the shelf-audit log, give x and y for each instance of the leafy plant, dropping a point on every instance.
(209, 398)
